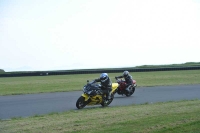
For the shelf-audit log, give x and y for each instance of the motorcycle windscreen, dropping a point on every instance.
(134, 81)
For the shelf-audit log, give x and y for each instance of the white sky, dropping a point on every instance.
(40, 35)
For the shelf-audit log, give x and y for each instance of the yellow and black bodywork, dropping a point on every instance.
(93, 96)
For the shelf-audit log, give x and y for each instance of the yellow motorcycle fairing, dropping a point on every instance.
(86, 96)
(94, 99)
(98, 98)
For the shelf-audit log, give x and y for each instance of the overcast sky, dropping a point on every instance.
(38, 35)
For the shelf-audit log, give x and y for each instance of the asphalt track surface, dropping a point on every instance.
(45, 103)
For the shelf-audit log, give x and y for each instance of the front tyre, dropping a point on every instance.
(132, 90)
(81, 102)
(128, 94)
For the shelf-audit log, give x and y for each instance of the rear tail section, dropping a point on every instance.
(114, 88)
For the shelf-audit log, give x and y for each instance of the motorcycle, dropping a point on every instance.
(121, 89)
(93, 95)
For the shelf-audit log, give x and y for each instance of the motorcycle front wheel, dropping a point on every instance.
(131, 91)
(128, 94)
(81, 102)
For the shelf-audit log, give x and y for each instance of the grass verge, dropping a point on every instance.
(169, 117)
(61, 83)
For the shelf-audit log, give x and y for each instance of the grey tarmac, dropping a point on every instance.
(44, 103)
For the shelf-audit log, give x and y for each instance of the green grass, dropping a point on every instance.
(61, 83)
(170, 117)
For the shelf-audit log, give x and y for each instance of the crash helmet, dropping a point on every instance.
(104, 77)
(125, 74)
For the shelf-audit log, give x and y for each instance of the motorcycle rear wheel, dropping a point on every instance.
(107, 102)
(81, 102)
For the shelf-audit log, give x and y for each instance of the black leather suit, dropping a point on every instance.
(128, 79)
(105, 86)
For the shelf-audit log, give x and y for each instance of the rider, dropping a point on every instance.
(106, 84)
(128, 78)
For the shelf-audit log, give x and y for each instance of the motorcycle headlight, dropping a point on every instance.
(92, 93)
(89, 92)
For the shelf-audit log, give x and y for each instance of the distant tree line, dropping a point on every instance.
(2, 71)
(144, 68)
(92, 71)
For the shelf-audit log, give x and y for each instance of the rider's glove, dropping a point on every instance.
(93, 81)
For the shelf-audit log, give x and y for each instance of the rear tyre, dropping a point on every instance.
(81, 102)
(110, 100)
(107, 102)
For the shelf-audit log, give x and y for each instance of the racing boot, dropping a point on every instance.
(103, 98)
(108, 96)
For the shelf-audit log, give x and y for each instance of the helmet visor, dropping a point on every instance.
(103, 79)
